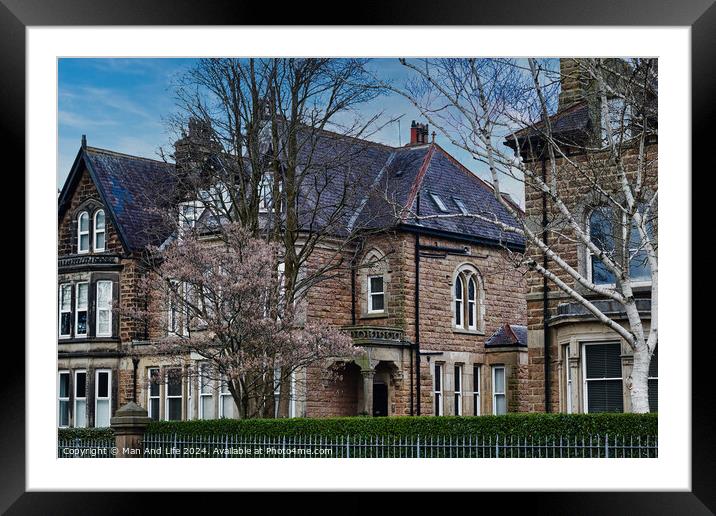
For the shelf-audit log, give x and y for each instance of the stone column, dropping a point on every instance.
(368, 391)
(129, 424)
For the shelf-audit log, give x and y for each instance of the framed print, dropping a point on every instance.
(425, 251)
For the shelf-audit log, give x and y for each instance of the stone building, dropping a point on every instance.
(577, 364)
(107, 216)
(434, 300)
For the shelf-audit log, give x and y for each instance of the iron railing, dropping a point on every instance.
(235, 446)
(79, 448)
(232, 446)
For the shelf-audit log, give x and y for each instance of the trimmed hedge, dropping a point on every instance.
(85, 433)
(522, 425)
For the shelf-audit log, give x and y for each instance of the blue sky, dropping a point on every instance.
(122, 105)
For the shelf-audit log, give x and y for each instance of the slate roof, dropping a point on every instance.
(572, 122)
(373, 182)
(133, 189)
(508, 335)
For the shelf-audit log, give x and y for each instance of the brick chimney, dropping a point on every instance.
(418, 133)
(573, 83)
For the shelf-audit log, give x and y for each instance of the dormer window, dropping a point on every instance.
(460, 205)
(619, 120)
(189, 213)
(83, 238)
(99, 231)
(265, 193)
(439, 202)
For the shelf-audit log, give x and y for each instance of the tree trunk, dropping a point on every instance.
(639, 385)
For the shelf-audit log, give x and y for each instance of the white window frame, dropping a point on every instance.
(149, 393)
(107, 398)
(77, 398)
(475, 307)
(371, 294)
(188, 222)
(64, 286)
(66, 399)
(457, 389)
(471, 306)
(190, 396)
(96, 231)
(210, 389)
(568, 381)
(173, 308)
(614, 119)
(99, 309)
(458, 324)
(494, 390)
(585, 380)
(476, 373)
(265, 193)
(589, 254)
(292, 396)
(438, 393)
(167, 397)
(223, 394)
(77, 310)
(81, 233)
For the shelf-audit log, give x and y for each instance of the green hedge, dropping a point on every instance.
(522, 425)
(85, 433)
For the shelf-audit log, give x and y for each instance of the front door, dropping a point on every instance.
(380, 399)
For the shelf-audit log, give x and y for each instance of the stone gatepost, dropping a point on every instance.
(129, 424)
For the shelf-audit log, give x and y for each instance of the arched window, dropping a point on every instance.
(375, 274)
(99, 231)
(459, 301)
(83, 232)
(468, 300)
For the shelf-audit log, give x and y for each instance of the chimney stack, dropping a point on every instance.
(418, 133)
(573, 84)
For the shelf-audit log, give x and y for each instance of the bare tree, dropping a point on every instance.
(276, 146)
(221, 300)
(481, 104)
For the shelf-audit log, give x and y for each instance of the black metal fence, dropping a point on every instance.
(228, 446)
(233, 446)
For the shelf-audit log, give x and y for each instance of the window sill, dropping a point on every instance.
(78, 340)
(375, 315)
(463, 331)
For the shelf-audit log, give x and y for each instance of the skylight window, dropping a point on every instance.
(460, 205)
(439, 203)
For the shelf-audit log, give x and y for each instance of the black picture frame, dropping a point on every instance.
(700, 15)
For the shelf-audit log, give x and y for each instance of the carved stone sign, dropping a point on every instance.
(90, 259)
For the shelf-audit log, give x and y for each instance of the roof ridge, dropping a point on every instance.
(124, 154)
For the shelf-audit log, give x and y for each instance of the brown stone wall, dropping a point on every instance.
(576, 189)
